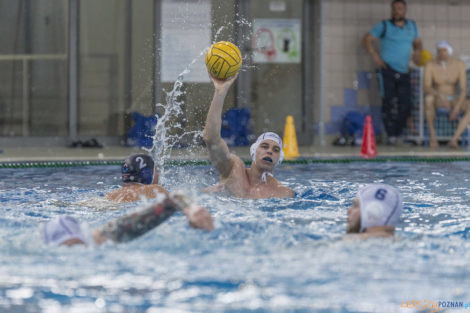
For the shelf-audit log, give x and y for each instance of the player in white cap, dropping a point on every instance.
(375, 211)
(65, 230)
(266, 153)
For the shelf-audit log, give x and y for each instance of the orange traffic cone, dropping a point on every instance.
(368, 148)
(290, 148)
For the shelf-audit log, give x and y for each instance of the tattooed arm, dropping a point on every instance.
(136, 224)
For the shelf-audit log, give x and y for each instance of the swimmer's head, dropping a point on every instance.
(267, 150)
(375, 205)
(64, 230)
(138, 168)
(444, 50)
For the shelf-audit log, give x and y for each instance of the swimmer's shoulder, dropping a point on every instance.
(281, 190)
(214, 188)
(233, 168)
(154, 188)
(238, 170)
(286, 192)
(135, 192)
(461, 64)
(430, 65)
(113, 194)
(364, 236)
(456, 60)
(237, 162)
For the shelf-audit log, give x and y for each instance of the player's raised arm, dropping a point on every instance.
(223, 60)
(218, 150)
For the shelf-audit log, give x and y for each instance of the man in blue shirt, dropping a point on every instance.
(397, 37)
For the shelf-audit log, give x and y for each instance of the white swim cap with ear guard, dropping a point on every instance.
(381, 205)
(61, 229)
(265, 136)
(446, 45)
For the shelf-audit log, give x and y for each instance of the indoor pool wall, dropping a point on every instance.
(276, 255)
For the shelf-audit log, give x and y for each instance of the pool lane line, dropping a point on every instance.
(49, 164)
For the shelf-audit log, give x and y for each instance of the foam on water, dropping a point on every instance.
(271, 255)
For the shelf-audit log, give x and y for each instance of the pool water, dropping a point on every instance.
(273, 255)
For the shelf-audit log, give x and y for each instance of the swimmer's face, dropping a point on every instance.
(354, 217)
(267, 154)
(442, 54)
(398, 11)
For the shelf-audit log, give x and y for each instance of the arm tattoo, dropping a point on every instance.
(136, 224)
(182, 201)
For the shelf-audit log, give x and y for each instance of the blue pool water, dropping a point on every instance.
(264, 256)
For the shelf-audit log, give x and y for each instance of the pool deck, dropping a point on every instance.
(24, 154)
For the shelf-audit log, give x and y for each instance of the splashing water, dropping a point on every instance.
(163, 140)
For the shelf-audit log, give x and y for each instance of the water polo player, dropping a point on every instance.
(65, 230)
(266, 153)
(375, 211)
(140, 180)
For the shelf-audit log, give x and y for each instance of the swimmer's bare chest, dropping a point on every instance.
(446, 79)
(239, 185)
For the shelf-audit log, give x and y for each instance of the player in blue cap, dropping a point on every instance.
(140, 180)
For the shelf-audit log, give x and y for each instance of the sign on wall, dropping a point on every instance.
(186, 32)
(276, 40)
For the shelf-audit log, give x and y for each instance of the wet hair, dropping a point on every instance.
(399, 1)
(138, 168)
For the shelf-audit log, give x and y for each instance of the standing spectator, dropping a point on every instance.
(397, 36)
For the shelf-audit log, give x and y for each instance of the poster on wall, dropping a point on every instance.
(276, 40)
(186, 32)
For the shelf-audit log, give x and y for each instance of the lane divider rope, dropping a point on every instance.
(39, 164)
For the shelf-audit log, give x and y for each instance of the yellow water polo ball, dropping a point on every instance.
(424, 57)
(223, 60)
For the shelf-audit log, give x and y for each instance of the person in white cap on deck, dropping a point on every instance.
(445, 86)
(375, 211)
(266, 153)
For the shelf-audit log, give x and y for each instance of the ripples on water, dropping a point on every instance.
(264, 256)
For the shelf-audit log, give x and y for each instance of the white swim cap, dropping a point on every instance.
(265, 136)
(446, 45)
(61, 229)
(380, 204)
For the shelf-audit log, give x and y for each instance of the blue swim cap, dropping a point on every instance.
(138, 168)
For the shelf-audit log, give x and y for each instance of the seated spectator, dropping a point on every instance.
(445, 86)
